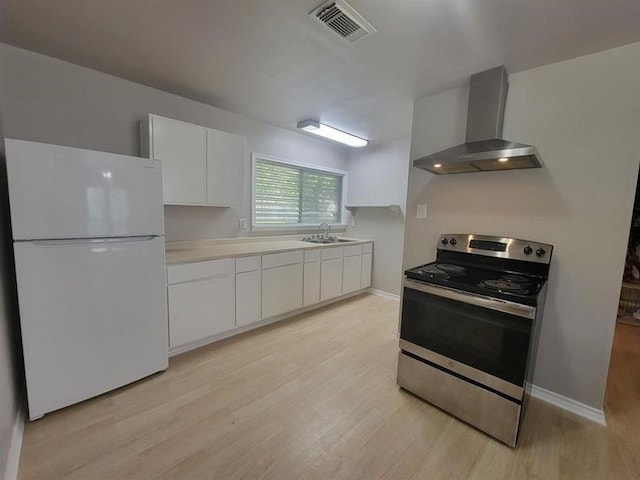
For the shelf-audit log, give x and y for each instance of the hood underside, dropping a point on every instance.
(481, 156)
(484, 149)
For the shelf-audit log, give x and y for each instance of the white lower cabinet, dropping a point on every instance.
(281, 289)
(365, 276)
(311, 293)
(351, 268)
(351, 273)
(248, 297)
(331, 279)
(200, 309)
(211, 297)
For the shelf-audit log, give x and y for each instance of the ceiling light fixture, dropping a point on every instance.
(437, 165)
(503, 160)
(331, 133)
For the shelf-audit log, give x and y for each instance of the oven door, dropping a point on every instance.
(483, 339)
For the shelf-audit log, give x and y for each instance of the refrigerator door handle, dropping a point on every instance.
(87, 241)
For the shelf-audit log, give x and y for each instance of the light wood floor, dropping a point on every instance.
(313, 397)
(622, 399)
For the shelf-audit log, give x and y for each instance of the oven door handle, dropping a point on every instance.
(473, 299)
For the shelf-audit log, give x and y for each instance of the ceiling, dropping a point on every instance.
(267, 59)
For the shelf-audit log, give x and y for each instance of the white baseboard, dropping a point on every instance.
(382, 293)
(569, 404)
(13, 458)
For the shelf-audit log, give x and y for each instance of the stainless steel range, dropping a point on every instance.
(470, 327)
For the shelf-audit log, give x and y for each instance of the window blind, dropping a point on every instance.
(288, 195)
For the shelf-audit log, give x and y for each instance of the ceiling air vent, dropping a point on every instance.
(343, 20)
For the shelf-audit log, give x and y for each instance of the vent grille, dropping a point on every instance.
(343, 20)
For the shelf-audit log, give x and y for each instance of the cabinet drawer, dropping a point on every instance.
(367, 248)
(194, 271)
(248, 264)
(280, 259)
(312, 255)
(331, 253)
(352, 250)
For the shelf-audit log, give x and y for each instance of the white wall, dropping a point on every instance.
(377, 176)
(49, 100)
(584, 116)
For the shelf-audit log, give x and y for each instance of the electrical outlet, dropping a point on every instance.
(421, 211)
(353, 221)
(242, 223)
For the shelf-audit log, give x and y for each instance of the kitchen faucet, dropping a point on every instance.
(326, 234)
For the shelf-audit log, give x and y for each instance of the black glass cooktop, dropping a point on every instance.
(516, 287)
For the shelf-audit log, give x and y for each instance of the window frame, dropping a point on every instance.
(295, 227)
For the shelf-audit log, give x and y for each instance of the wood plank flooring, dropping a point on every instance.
(622, 399)
(313, 397)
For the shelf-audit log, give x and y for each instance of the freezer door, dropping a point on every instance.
(93, 316)
(64, 192)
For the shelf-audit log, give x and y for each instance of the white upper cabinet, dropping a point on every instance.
(225, 168)
(182, 149)
(200, 166)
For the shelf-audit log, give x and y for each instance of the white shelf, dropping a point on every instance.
(393, 207)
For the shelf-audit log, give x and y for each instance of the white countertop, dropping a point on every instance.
(201, 250)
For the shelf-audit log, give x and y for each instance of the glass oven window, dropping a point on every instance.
(493, 342)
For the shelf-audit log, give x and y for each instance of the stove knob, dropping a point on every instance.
(528, 250)
(540, 252)
(453, 241)
(444, 241)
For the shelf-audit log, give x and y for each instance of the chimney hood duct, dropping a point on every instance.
(483, 150)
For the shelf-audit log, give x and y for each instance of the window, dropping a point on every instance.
(292, 194)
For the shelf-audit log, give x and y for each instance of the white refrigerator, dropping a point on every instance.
(88, 236)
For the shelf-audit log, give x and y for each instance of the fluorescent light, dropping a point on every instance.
(503, 160)
(331, 133)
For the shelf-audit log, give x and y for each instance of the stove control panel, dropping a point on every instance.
(503, 247)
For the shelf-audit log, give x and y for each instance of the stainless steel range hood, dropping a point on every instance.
(483, 150)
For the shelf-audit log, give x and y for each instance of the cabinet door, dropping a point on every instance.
(351, 273)
(225, 168)
(311, 283)
(182, 149)
(281, 290)
(331, 279)
(200, 309)
(248, 298)
(365, 278)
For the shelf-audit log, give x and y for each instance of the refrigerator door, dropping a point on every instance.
(64, 192)
(93, 316)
